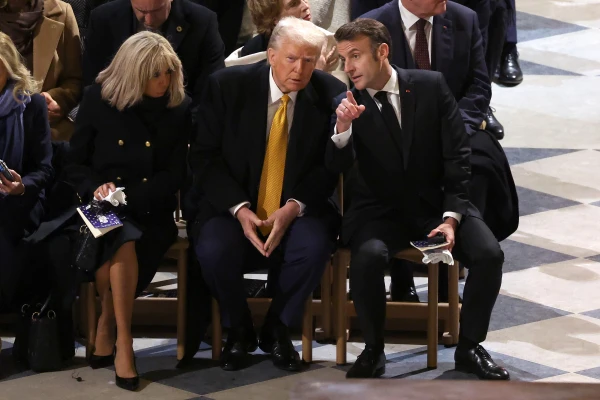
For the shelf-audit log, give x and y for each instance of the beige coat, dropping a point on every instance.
(57, 61)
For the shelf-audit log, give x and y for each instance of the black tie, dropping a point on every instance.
(390, 118)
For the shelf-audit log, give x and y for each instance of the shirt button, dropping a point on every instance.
(179, 29)
(121, 143)
(148, 144)
(145, 180)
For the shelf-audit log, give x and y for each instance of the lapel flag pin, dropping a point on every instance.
(407, 91)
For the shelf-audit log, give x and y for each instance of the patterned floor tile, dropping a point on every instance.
(569, 378)
(570, 343)
(519, 256)
(593, 313)
(569, 285)
(533, 202)
(531, 27)
(510, 311)
(531, 68)
(520, 155)
(591, 373)
(597, 204)
(584, 13)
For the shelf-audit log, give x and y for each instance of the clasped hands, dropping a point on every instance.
(280, 221)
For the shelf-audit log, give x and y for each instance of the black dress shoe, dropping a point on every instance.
(97, 362)
(510, 73)
(283, 354)
(240, 342)
(131, 384)
(405, 295)
(370, 364)
(479, 362)
(492, 125)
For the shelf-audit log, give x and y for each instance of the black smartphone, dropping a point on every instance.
(6, 172)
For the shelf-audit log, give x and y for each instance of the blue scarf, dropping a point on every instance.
(12, 137)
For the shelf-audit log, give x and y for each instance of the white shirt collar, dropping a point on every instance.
(408, 18)
(391, 85)
(275, 94)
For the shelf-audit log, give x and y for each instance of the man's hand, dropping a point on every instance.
(250, 222)
(104, 190)
(15, 188)
(447, 229)
(280, 220)
(347, 111)
(54, 110)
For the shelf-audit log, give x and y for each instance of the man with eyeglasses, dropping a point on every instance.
(191, 29)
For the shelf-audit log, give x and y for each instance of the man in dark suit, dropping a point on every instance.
(191, 29)
(405, 131)
(450, 38)
(229, 14)
(247, 177)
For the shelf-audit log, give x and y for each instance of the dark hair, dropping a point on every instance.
(374, 30)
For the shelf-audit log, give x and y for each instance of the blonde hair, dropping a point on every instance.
(25, 85)
(297, 31)
(138, 59)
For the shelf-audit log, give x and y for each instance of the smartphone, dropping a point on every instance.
(6, 172)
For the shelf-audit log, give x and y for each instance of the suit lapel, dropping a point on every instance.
(401, 55)
(178, 26)
(45, 41)
(254, 116)
(407, 114)
(442, 44)
(125, 27)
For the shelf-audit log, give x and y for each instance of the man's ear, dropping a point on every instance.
(270, 55)
(383, 51)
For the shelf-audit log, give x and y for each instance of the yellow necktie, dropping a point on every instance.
(271, 178)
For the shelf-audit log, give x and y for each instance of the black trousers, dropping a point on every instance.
(375, 244)
(224, 255)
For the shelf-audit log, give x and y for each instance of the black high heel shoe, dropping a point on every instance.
(97, 362)
(131, 384)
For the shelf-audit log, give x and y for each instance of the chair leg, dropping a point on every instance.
(454, 313)
(307, 331)
(217, 333)
(181, 302)
(432, 320)
(326, 302)
(339, 282)
(88, 304)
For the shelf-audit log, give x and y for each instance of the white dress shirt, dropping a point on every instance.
(409, 26)
(392, 87)
(275, 95)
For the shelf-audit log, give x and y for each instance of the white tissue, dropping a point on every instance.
(438, 257)
(117, 197)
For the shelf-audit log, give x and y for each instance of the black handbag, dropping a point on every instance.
(85, 250)
(37, 343)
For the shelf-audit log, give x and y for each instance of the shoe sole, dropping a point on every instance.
(376, 374)
(464, 368)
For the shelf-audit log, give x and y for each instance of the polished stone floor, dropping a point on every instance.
(546, 324)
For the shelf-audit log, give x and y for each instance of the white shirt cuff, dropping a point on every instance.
(341, 139)
(301, 204)
(454, 215)
(233, 210)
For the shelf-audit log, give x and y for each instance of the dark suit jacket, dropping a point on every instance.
(359, 7)
(255, 45)
(19, 213)
(191, 29)
(113, 146)
(415, 179)
(229, 14)
(457, 53)
(227, 156)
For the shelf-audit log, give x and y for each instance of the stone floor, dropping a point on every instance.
(546, 323)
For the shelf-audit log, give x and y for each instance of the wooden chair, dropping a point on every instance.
(260, 306)
(178, 252)
(430, 311)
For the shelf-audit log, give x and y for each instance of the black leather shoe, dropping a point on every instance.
(493, 126)
(479, 362)
(97, 362)
(131, 384)
(370, 364)
(407, 295)
(240, 342)
(510, 73)
(284, 355)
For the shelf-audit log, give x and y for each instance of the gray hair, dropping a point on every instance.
(297, 31)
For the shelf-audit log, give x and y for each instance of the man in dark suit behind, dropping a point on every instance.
(191, 29)
(405, 131)
(447, 38)
(258, 163)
